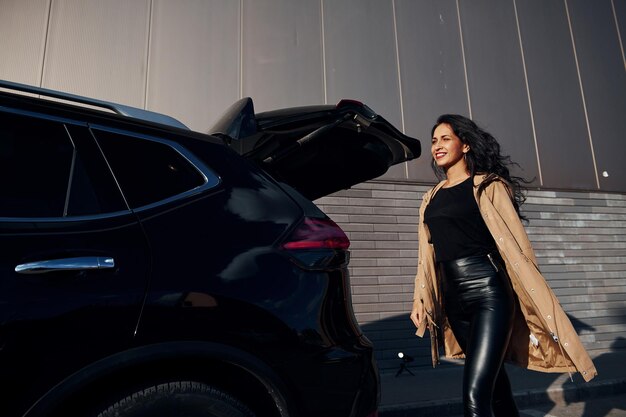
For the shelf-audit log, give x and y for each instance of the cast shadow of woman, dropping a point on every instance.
(598, 401)
(610, 402)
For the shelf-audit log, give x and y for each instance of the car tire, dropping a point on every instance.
(175, 399)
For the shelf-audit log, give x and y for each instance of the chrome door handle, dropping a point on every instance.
(66, 264)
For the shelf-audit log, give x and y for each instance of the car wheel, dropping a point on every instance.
(178, 399)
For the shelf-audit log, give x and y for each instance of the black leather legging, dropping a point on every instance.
(480, 304)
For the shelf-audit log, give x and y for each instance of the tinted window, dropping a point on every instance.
(148, 171)
(48, 169)
(93, 186)
(35, 162)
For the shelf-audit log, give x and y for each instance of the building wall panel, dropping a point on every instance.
(23, 31)
(564, 145)
(431, 71)
(194, 60)
(497, 86)
(619, 8)
(598, 50)
(99, 49)
(282, 53)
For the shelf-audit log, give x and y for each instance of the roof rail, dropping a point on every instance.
(120, 109)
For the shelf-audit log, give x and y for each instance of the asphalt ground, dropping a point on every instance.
(426, 391)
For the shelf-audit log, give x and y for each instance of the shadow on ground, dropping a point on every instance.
(438, 391)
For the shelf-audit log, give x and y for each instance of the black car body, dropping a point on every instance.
(146, 267)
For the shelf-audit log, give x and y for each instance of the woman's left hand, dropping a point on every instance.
(417, 313)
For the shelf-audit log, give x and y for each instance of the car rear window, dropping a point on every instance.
(148, 171)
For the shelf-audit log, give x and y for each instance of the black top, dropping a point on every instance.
(457, 229)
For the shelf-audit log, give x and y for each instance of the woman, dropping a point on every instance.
(478, 288)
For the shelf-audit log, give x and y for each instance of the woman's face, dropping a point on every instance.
(446, 147)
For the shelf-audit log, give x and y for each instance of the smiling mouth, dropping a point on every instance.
(440, 155)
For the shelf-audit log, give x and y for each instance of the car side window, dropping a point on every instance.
(148, 171)
(93, 188)
(35, 162)
(42, 175)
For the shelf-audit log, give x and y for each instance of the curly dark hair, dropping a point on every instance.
(484, 157)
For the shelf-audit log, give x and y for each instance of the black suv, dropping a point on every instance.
(149, 270)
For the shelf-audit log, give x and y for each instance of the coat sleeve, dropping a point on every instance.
(423, 291)
(420, 283)
(500, 195)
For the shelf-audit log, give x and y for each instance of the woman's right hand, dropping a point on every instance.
(417, 313)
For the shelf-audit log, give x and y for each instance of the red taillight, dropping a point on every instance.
(317, 234)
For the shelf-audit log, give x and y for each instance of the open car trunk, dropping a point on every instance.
(318, 150)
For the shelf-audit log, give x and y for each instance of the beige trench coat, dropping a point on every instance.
(543, 338)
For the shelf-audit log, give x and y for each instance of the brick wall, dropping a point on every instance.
(579, 239)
